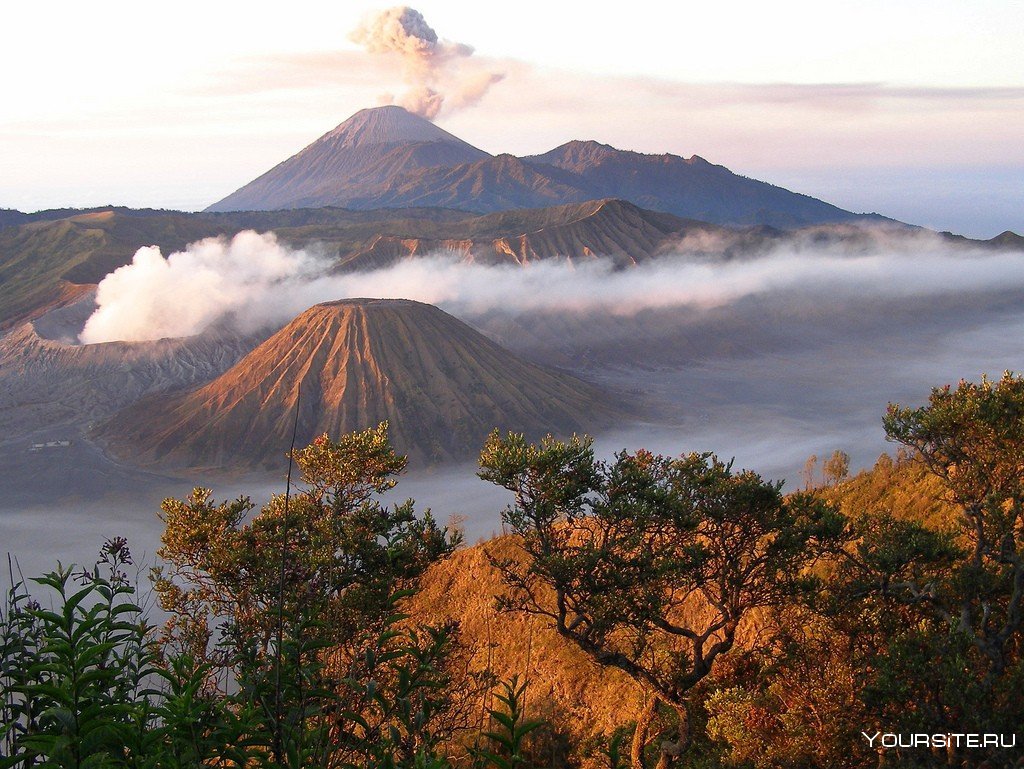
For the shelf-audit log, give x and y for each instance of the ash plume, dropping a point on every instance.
(434, 70)
(253, 281)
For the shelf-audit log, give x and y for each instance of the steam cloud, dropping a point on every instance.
(182, 295)
(433, 69)
(254, 282)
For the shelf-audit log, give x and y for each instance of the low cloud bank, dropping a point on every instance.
(253, 281)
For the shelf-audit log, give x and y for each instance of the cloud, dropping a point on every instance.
(754, 128)
(316, 70)
(254, 281)
(213, 280)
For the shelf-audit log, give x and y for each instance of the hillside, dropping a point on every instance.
(440, 384)
(689, 187)
(50, 263)
(900, 487)
(10, 217)
(491, 184)
(613, 229)
(59, 256)
(582, 700)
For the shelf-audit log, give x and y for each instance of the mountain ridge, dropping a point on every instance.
(386, 157)
(57, 256)
(49, 263)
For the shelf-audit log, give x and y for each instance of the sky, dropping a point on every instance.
(912, 109)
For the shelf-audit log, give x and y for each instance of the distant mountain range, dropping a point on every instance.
(441, 385)
(54, 257)
(51, 262)
(387, 157)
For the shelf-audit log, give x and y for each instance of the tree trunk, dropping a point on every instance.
(643, 726)
(672, 749)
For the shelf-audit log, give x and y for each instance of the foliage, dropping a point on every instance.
(836, 468)
(508, 740)
(303, 598)
(972, 438)
(948, 657)
(285, 647)
(767, 631)
(649, 563)
(86, 684)
(795, 703)
(897, 487)
(332, 551)
(922, 607)
(73, 676)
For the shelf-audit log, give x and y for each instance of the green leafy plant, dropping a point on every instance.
(75, 675)
(508, 739)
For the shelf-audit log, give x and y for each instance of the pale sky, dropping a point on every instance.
(913, 109)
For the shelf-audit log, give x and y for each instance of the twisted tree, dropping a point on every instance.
(649, 564)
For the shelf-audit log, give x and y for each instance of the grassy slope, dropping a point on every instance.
(584, 700)
(901, 487)
(40, 262)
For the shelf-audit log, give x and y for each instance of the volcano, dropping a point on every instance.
(387, 157)
(369, 149)
(351, 364)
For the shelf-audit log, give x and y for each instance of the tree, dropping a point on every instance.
(810, 467)
(937, 599)
(836, 468)
(303, 597)
(794, 703)
(972, 438)
(287, 646)
(649, 564)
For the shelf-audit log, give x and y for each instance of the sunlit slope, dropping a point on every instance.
(348, 365)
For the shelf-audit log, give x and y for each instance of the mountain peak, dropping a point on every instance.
(1008, 239)
(587, 145)
(386, 125)
(368, 149)
(577, 154)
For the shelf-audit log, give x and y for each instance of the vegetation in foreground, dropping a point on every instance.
(762, 630)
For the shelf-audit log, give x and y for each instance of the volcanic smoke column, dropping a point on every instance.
(435, 71)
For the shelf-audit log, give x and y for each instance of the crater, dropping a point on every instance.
(64, 324)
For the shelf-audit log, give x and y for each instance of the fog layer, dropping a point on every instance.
(253, 280)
